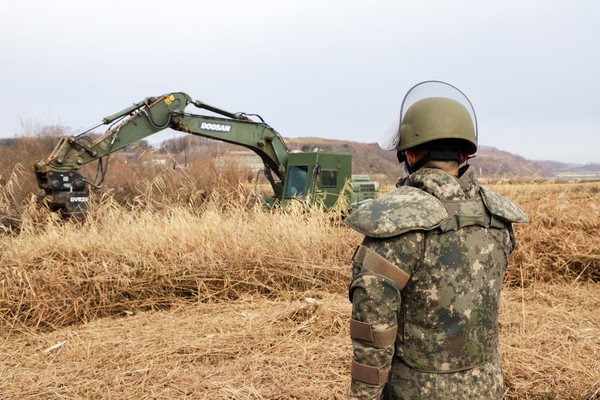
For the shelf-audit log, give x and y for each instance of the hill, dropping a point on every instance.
(491, 163)
(370, 159)
(383, 166)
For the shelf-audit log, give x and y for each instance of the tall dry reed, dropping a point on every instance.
(231, 260)
(561, 243)
(143, 255)
(57, 273)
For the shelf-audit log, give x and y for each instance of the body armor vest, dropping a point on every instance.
(448, 318)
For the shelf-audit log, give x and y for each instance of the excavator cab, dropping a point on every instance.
(317, 176)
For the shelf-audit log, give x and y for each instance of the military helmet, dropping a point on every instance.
(432, 111)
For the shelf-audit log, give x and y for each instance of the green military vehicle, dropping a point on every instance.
(314, 176)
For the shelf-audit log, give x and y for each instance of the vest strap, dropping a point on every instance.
(368, 374)
(468, 213)
(380, 265)
(379, 338)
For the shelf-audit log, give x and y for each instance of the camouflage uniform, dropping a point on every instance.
(426, 288)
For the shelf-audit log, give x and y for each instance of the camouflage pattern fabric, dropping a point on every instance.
(447, 341)
(483, 382)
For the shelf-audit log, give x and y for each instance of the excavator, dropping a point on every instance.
(315, 176)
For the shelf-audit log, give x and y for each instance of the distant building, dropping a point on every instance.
(578, 176)
(241, 159)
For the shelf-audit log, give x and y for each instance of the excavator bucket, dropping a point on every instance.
(63, 191)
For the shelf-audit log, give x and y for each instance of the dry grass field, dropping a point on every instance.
(171, 297)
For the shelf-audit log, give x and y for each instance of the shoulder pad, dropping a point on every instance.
(399, 211)
(501, 207)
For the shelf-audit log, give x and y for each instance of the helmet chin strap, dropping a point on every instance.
(401, 156)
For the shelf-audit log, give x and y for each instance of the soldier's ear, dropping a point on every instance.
(410, 157)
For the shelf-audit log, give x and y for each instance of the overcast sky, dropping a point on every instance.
(329, 68)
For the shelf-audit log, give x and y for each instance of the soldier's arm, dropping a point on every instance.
(381, 269)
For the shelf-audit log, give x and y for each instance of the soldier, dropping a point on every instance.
(426, 279)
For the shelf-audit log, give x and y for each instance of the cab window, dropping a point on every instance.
(329, 178)
(296, 184)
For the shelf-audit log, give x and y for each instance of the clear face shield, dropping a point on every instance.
(391, 138)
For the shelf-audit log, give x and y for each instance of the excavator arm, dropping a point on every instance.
(65, 189)
(239, 129)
